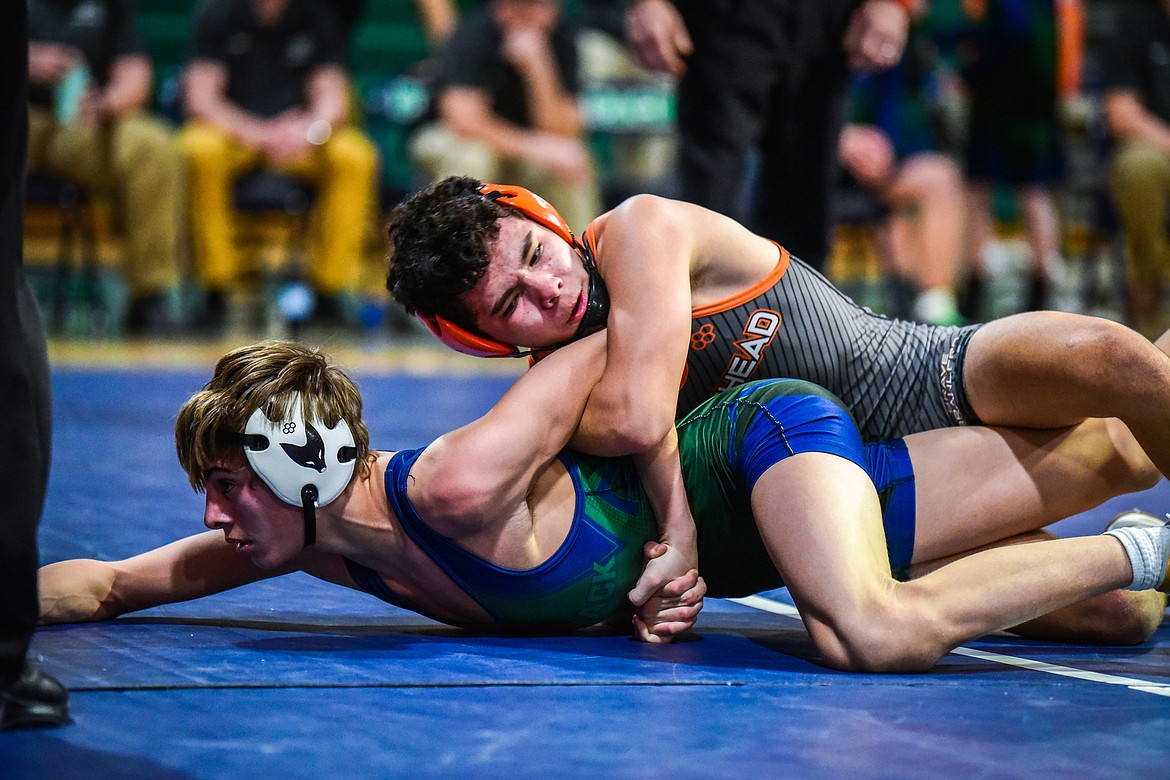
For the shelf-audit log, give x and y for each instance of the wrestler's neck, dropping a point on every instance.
(360, 520)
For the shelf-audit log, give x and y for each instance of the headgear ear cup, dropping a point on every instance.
(463, 340)
(305, 463)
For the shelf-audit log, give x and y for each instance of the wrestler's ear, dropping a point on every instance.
(530, 205)
(463, 340)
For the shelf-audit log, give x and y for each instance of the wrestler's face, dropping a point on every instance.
(250, 515)
(535, 290)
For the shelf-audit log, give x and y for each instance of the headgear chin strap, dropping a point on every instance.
(540, 211)
(304, 462)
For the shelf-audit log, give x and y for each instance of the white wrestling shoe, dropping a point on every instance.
(1136, 518)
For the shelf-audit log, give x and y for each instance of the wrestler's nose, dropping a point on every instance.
(214, 516)
(546, 288)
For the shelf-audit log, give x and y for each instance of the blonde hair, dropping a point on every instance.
(265, 375)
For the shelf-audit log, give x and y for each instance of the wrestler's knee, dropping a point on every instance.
(1085, 354)
(877, 638)
(1094, 347)
(1129, 469)
(1119, 617)
(1139, 614)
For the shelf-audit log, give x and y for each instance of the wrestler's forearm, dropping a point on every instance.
(492, 461)
(81, 589)
(648, 245)
(76, 591)
(661, 474)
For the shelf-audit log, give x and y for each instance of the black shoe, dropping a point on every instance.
(148, 316)
(35, 700)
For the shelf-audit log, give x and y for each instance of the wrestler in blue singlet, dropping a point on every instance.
(725, 445)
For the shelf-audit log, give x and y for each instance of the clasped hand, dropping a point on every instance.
(668, 596)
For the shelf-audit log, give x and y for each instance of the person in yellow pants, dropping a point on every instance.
(265, 88)
(90, 84)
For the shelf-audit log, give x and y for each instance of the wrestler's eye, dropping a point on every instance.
(511, 307)
(224, 486)
(537, 254)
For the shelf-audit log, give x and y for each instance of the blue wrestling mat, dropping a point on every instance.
(294, 678)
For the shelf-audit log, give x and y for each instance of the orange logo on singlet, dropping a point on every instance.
(703, 337)
(761, 328)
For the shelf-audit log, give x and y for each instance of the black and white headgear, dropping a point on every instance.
(304, 462)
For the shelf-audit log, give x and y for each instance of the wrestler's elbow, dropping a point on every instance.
(615, 433)
(77, 591)
(644, 435)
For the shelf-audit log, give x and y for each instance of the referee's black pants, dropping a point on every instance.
(24, 368)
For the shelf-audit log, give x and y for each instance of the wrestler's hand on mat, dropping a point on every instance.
(672, 610)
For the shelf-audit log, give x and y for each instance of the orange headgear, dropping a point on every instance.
(541, 212)
(530, 205)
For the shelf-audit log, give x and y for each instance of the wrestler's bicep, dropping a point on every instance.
(647, 250)
(492, 461)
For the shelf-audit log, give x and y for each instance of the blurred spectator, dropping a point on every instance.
(90, 87)
(638, 158)
(265, 87)
(892, 150)
(438, 19)
(1011, 66)
(766, 78)
(506, 107)
(1135, 68)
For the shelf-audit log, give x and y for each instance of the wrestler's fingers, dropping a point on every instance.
(653, 549)
(672, 614)
(643, 633)
(679, 585)
(660, 606)
(663, 625)
(696, 593)
(646, 587)
(662, 631)
(667, 632)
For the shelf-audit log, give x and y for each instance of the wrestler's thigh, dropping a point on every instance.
(1051, 369)
(976, 486)
(820, 520)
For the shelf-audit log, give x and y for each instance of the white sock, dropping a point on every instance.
(1148, 550)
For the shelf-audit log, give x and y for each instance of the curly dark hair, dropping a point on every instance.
(439, 240)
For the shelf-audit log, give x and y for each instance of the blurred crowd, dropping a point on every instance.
(942, 127)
